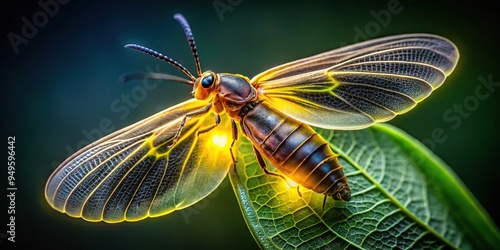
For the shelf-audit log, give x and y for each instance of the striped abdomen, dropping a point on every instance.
(296, 150)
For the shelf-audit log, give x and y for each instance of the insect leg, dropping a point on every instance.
(217, 121)
(262, 164)
(234, 130)
(183, 122)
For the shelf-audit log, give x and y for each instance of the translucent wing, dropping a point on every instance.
(132, 174)
(354, 86)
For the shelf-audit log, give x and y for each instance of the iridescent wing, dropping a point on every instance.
(354, 86)
(133, 174)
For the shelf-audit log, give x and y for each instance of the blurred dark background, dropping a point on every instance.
(60, 88)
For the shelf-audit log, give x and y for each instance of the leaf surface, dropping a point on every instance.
(403, 197)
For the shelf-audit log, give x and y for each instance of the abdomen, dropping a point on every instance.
(296, 150)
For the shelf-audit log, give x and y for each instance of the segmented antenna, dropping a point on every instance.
(154, 76)
(189, 35)
(161, 57)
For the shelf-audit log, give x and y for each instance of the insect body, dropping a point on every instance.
(296, 150)
(292, 147)
(164, 163)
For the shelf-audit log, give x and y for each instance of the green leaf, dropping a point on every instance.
(403, 197)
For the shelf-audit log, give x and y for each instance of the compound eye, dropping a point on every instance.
(207, 81)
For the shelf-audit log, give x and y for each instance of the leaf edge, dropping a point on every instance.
(470, 215)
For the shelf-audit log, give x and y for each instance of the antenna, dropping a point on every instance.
(161, 57)
(154, 76)
(189, 35)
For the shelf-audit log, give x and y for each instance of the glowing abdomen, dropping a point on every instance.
(296, 150)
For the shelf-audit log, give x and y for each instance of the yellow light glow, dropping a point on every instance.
(290, 183)
(219, 139)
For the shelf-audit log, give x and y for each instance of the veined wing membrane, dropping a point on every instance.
(132, 174)
(354, 86)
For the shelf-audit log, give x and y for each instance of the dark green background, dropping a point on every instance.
(64, 81)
